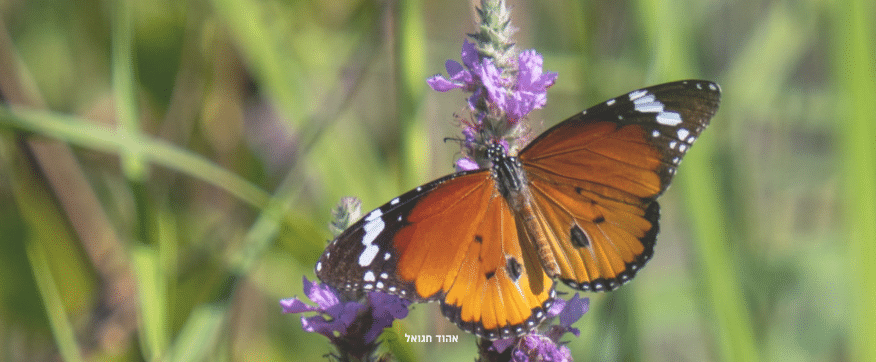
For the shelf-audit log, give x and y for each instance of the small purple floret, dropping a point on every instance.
(459, 76)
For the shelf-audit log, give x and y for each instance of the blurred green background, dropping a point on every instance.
(167, 170)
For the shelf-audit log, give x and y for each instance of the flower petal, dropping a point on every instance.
(453, 67)
(469, 55)
(531, 76)
(466, 164)
(345, 312)
(323, 295)
(574, 310)
(502, 344)
(318, 324)
(294, 305)
(441, 84)
(494, 83)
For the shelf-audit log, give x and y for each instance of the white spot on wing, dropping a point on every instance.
(610, 102)
(669, 118)
(637, 94)
(373, 215)
(655, 133)
(368, 255)
(373, 227)
(369, 276)
(394, 201)
(682, 133)
(647, 103)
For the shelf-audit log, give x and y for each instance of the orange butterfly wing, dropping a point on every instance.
(453, 240)
(594, 178)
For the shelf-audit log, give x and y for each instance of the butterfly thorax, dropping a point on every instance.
(510, 177)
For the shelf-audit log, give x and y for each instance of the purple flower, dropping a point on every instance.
(516, 97)
(332, 314)
(344, 322)
(530, 91)
(568, 312)
(459, 76)
(535, 347)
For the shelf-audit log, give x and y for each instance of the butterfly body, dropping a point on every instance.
(577, 204)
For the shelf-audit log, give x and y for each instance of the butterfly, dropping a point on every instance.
(577, 204)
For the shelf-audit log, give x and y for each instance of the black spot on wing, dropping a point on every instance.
(515, 270)
(579, 238)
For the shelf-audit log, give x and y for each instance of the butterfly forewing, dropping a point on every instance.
(365, 255)
(595, 176)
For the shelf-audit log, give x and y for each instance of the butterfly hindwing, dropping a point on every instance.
(594, 178)
(452, 240)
